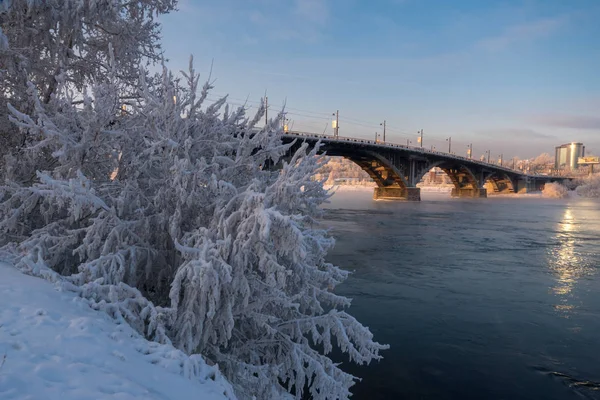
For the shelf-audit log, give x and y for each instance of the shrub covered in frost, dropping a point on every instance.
(555, 190)
(164, 213)
(590, 187)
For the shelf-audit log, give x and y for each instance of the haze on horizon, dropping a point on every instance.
(516, 77)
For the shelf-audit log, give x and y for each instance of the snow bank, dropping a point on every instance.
(590, 187)
(56, 347)
(350, 188)
(555, 190)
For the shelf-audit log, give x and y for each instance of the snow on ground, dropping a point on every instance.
(54, 346)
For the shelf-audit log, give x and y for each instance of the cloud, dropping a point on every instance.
(523, 32)
(522, 133)
(569, 121)
(312, 11)
(270, 20)
(307, 78)
(257, 17)
(304, 21)
(249, 40)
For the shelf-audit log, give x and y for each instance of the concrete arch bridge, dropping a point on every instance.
(396, 169)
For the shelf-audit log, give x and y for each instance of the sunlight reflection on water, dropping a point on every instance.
(566, 263)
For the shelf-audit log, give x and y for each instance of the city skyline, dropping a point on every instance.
(513, 77)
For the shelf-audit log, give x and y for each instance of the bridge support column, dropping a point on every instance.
(529, 185)
(397, 193)
(413, 194)
(524, 186)
(468, 193)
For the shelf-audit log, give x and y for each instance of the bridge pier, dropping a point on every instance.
(397, 193)
(529, 185)
(468, 193)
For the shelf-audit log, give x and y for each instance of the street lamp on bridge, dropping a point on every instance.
(284, 122)
(336, 124)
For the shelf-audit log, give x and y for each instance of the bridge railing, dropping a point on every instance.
(423, 150)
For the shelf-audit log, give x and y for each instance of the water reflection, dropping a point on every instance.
(464, 292)
(566, 263)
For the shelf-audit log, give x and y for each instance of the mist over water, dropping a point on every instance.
(494, 298)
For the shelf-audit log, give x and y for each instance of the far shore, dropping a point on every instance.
(435, 189)
(357, 188)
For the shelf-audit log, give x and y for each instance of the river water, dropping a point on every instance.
(494, 298)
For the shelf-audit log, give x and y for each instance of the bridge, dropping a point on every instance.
(396, 168)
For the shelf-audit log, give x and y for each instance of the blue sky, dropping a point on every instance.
(517, 77)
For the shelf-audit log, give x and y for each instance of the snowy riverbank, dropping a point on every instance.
(54, 346)
(349, 188)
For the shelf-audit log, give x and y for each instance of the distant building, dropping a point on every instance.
(566, 155)
(436, 176)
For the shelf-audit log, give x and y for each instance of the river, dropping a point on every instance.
(494, 298)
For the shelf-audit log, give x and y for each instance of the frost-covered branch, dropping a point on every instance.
(184, 219)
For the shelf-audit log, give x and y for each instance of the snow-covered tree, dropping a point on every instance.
(46, 44)
(543, 159)
(590, 187)
(542, 162)
(167, 215)
(555, 190)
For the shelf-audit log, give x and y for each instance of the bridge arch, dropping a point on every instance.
(500, 182)
(425, 169)
(460, 175)
(379, 168)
